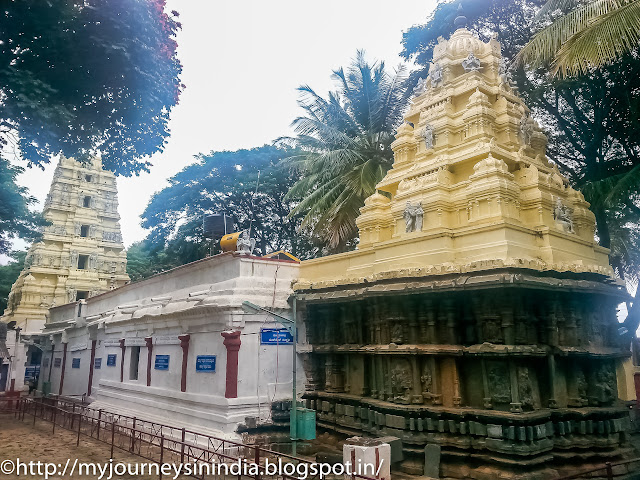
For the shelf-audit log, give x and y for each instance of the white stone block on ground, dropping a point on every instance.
(367, 454)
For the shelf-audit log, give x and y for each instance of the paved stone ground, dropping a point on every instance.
(30, 442)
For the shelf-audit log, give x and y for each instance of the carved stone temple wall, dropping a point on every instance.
(81, 253)
(478, 313)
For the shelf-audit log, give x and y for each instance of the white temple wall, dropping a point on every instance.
(205, 303)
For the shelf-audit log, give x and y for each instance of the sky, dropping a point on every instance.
(242, 63)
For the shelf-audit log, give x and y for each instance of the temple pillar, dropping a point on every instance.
(122, 350)
(64, 363)
(53, 347)
(508, 332)
(388, 391)
(184, 344)
(435, 375)
(417, 390)
(232, 342)
(149, 344)
(91, 365)
(373, 391)
(553, 402)
(485, 386)
(450, 315)
(516, 406)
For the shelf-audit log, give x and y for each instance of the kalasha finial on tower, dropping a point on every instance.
(461, 20)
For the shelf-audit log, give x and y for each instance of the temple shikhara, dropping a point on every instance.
(81, 253)
(476, 321)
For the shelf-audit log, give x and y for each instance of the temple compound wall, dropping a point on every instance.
(177, 347)
(478, 315)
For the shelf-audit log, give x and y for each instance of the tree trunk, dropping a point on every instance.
(602, 226)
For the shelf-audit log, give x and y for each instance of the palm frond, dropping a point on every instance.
(555, 5)
(346, 143)
(608, 37)
(547, 42)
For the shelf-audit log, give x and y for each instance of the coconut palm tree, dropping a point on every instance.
(591, 34)
(345, 143)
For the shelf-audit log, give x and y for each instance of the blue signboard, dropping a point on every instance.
(206, 363)
(75, 363)
(97, 363)
(31, 372)
(162, 362)
(275, 336)
(111, 360)
(57, 362)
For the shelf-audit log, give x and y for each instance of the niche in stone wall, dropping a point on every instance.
(602, 382)
(472, 379)
(498, 391)
(586, 382)
(577, 387)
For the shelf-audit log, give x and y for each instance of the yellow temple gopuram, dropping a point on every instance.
(81, 253)
(476, 321)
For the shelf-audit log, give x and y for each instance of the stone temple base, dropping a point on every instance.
(538, 445)
(511, 375)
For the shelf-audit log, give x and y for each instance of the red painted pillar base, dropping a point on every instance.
(636, 378)
(184, 344)
(64, 362)
(149, 342)
(232, 342)
(93, 360)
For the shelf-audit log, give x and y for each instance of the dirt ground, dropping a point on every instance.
(28, 442)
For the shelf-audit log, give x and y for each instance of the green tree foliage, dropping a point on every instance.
(15, 218)
(9, 274)
(221, 182)
(589, 35)
(145, 260)
(591, 120)
(82, 77)
(345, 147)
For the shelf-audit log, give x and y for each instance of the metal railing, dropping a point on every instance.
(152, 441)
(607, 469)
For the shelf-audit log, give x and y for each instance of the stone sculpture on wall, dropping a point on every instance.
(525, 389)
(58, 229)
(245, 244)
(471, 63)
(437, 77)
(401, 383)
(420, 87)
(499, 387)
(397, 335)
(73, 259)
(428, 136)
(413, 216)
(503, 72)
(605, 386)
(582, 399)
(562, 215)
(11, 302)
(112, 237)
(64, 197)
(526, 128)
(426, 379)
